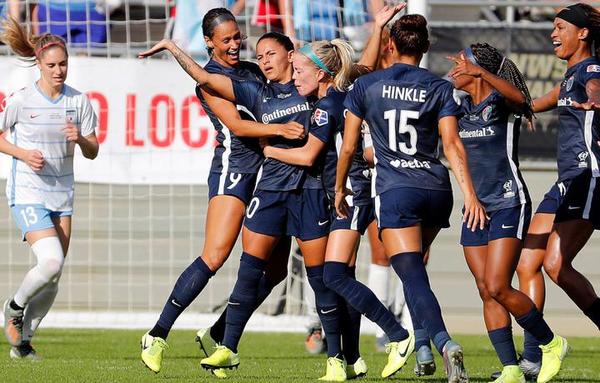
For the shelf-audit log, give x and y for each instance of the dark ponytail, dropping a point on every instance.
(410, 35)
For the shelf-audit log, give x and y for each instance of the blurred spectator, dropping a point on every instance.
(79, 22)
(187, 30)
(267, 14)
(311, 20)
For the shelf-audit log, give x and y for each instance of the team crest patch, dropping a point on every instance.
(570, 82)
(593, 68)
(320, 117)
(487, 112)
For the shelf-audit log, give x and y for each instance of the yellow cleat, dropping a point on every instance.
(553, 354)
(221, 358)
(207, 346)
(398, 354)
(336, 371)
(152, 351)
(356, 370)
(511, 374)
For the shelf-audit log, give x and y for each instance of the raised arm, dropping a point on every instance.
(371, 53)
(347, 151)
(454, 150)
(303, 156)
(219, 84)
(464, 67)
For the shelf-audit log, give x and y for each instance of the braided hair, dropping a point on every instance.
(593, 16)
(495, 62)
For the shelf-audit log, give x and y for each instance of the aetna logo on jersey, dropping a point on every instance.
(483, 132)
(411, 164)
(278, 113)
(404, 94)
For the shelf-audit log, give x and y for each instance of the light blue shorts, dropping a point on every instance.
(35, 217)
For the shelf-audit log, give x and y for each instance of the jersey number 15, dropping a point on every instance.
(404, 128)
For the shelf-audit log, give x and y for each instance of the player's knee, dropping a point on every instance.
(332, 278)
(215, 258)
(483, 292)
(553, 266)
(496, 290)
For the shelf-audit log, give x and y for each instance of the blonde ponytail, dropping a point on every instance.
(336, 56)
(25, 45)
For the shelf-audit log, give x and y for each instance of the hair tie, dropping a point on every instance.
(48, 45)
(308, 52)
(501, 65)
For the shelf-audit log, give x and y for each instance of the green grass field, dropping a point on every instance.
(113, 356)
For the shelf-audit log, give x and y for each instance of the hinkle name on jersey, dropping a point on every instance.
(404, 94)
(483, 132)
(278, 113)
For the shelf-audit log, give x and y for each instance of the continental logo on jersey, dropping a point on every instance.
(482, 132)
(593, 68)
(278, 113)
(320, 117)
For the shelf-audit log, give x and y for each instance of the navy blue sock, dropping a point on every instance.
(189, 284)
(531, 348)
(421, 336)
(417, 292)
(363, 299)
(593, 312)
(242, 301)
(503, 343)
(350, 327)
(217, 330)
(534, 322)
(329, 310)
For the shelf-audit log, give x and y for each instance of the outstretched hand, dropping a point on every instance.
(158, 47)
(589, 105)
(385, 14)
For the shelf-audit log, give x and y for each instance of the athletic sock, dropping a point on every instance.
(379, 283)
(328, 309)
(593, 312)
(531, 348)
(362, 299)
(50, 260)
(503, 343)
(534, 322)
(350, 326)
(13, 305)
(421, 335)
(189, 284)
(37, 308)
(421, 300)
(242, 301)
(217, 330)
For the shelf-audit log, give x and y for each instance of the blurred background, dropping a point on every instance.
(140, 207)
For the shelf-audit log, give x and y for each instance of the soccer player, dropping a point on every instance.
(497, 99)
(45, 121)
(232, 179)
(406, 108)
(568, 214)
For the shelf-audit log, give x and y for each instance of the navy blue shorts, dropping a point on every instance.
(582, 201)
(552, 198)
(359, 218)
(405, 207)
(240, 185)
(511, 222)
(303, 213)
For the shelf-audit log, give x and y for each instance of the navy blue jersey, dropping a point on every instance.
(490, 134)
(232, 153)
(330, 110)
(402, 105)
(276, 103)
(578, 146)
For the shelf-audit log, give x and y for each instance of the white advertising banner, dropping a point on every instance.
(151, 127)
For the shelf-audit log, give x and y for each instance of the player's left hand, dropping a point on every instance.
(72, 133)
(341, 206)
(474, 215)
(387, 13)
(464, 67)
(158, 47)
(589, 105)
